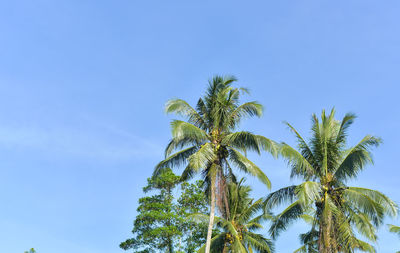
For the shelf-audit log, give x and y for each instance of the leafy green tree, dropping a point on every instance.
(157, 224)
(208, 144)
(394, 229)
(30, 251)
(192, 201)
(325, 165)
(237, 230)
(161, 224)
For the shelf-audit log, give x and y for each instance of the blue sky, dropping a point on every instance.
(83, 84)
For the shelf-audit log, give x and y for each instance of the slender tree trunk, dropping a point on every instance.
(170, 246)
(212, 213)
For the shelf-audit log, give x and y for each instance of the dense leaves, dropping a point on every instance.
(161, 224)
(192, 201)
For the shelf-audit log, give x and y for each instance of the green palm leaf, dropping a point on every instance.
(181, 107)
(357, 158)
(177, 159)
(247, 166)
(185, 130)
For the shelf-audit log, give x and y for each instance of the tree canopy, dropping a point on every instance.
(161, 224)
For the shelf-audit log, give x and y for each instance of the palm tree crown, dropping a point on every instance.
(338, 212)
(208, 144)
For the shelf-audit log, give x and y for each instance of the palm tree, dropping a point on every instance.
(326, 165)
(394, 229)
(237, 232)
(208, 144)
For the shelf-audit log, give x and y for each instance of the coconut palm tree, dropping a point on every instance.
(237, 232)
(207, 142)
(394, 229)
(325, 165)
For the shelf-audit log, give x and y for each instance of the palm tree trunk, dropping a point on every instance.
(326, 241)
(212, 213)
(320, 243)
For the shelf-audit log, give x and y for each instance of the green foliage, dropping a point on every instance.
(192, 201)
(338, 212)
(161, 225)
(155, 226)
(30, 251)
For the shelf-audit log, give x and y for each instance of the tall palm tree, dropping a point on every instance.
(325, 165)
(394, 229)
(237, 232)
(208, 144)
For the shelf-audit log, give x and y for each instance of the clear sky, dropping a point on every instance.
(83, 84)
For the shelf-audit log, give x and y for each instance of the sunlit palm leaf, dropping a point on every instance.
(247, 166)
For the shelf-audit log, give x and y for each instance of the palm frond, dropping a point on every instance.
(364, 246)
(390, 208)
(281, 196)
(248, 109)
(203, 157)
(268, 145)
(176, 144)
(347, 121)
(301, 167)
(308, 192)
(394, 229)
(181, 107)
(305, 150)
(184, 130)
(259, 242)
(363, 225)
(250, 211)
(177, 159)
(285, 218)
(248, 166)
(357, 158)
(242, 140)
(188, 173)
(365, 204)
